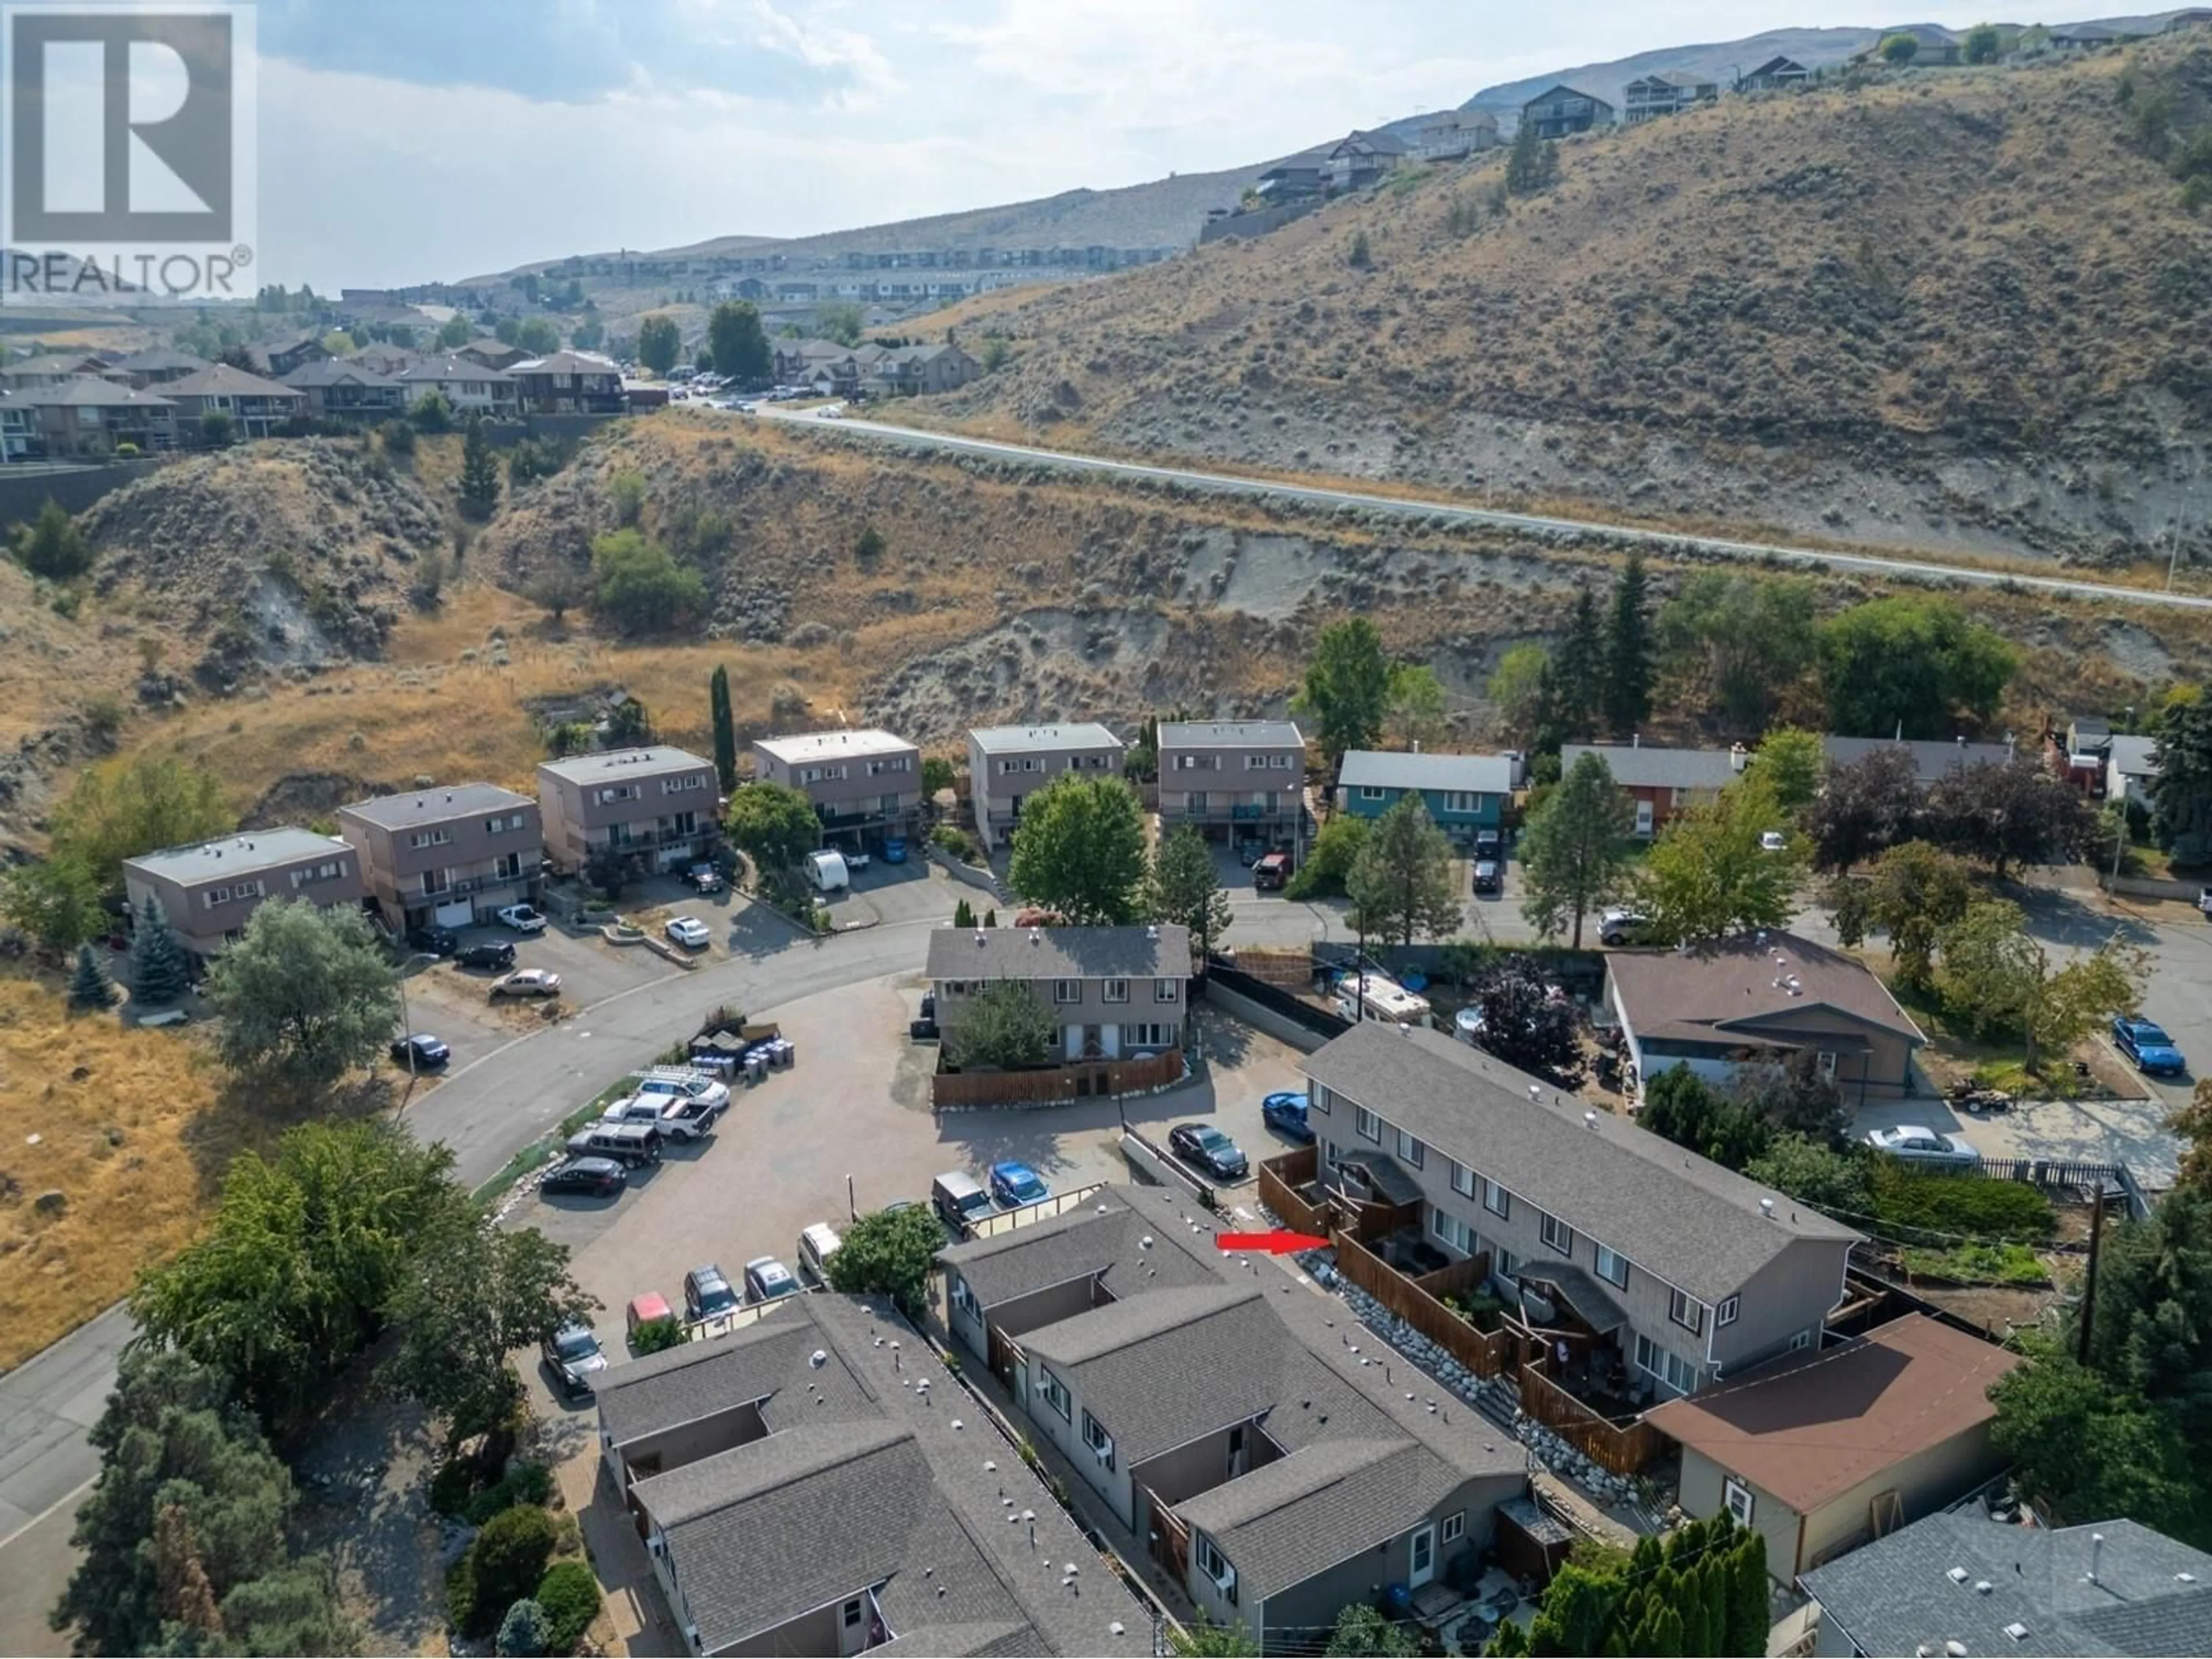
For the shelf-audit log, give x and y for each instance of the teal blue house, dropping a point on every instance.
(1464, 793)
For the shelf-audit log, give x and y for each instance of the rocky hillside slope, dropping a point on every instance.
(1945, 308)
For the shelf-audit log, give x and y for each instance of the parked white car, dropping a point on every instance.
(1917, 1144)
(522, 918)
(689, 932)
(681, 1083)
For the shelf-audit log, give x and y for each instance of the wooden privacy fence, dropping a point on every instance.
(1280, 1179)
(1053, 1085)
(1619, 1448)
(1487, 1353)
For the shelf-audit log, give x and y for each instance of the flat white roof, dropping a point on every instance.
(237, 855)
(823, 745)
(622, 762)
(1037, 739)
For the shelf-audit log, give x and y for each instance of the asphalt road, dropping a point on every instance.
(1413, 507)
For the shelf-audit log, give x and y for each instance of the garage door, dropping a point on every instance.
(456, 915)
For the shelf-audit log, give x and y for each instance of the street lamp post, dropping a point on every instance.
(406, 1024)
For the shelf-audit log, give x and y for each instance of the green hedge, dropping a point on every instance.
(570, 1596)
(1905, 1198)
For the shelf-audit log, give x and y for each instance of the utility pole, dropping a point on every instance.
(2090, 1289)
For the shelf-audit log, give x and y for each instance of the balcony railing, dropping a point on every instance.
(462, 886)
(646, 841)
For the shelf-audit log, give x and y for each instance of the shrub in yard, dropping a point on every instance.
(528, 1484)
(570, 1596)
(461, 1593)
(1980, 1264)
(451, 1486)
(507, 1562)
(1907, 1198)
(656, 1334)
(523, 1631)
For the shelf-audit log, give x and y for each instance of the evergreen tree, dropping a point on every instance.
(725, 731)
(90, 987)
(1628, 651)
(1402, 884)
(159, 972)
(479, 473)
(1578, 677)
(1746, 1626)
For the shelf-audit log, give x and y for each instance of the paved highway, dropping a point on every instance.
(1318, 495)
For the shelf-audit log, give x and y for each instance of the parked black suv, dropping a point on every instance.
(437, 941)
(496, 955)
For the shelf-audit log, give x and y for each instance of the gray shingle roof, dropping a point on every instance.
(1895, 1594)
(1734, 985)
(461, 800)
(1377, 768)
(447, 367)
(1041, 953)
(90, 391)
(882, 1487)
(2135, 757)
(156, 359)
(1042, 739)
(1930, 760)
(1640, 766)
(1230, 735)
(1686, 1220)
(336, 371)
(1100, 1238)
(222, 380)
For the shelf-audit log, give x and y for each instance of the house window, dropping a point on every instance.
(430, 838)
(1454, 1528)
(1454, 1232)
(1195, 801)
(854, 1609)
(1255, 762)
(1409, 1149)
(1054, 1393)
(1509, 1264)
(1557, 1235)
(1117, 990)
(1671, 1369)
(1737, 1497)
(1152, 1035)
(1007, 767)
(1100, 1442)
(1067, 990)
(507, 867)
(1186, 763)
(216, 895)
(1278, 763)
(1826, 1062)
(1801, 1341)
(1463, 1180)
(1215, 1565)
(504, 824)
(963, 1299)
(1612, 1266)
(1459, 800)
(1726, 1313)
(1369, 1126)
(1319, 1096)
(1496, 1199)
(1167, 990)
(1686, 1311)
(1370, 792)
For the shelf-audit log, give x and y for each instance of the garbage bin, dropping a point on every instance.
(780, 1052)
(756, 1067)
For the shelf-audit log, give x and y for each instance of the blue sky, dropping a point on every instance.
(404, 140)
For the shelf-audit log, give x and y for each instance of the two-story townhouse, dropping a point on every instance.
(447, 857)
(1113, 991)
(255, 407)
(864, 784)
(469, 386)
(1689, 1272)
(209, 889)
(54, 368)
(340, 389)
(1008, 763)
(1662, 782)
(22, 433)
(87, 415)
(811, 1483)
(1241, 777)
(659, 806)
(1465, 794)
(1777, 75)
(1218, 1410)
(569, 383)
(1563, 111)
(156, 366)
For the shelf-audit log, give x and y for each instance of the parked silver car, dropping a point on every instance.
(1917, 1144)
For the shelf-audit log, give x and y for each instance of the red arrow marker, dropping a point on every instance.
(1270, 1243)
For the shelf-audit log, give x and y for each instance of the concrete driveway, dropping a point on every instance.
(916, 890)
(2129, 1131)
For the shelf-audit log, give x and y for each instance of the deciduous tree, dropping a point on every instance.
(2007, 813)
(1690, 1112)
(738, 340)
(1994, 977)
(1734, 642)
(1912, 894)
(1864, 807)
(52, 546)
(1524, 1024)
(2090, 1448)
(1416, 711)
(1814, 1173)
(1347, 688)
(1080, 850)
(1184, 887)
(1791, 761)
(640, 588)
(1362, 1633)
(122, 808)
(305, 995)
(1574, 851)
(1002, 1026)
(1518, 686)
(1330, 860)
(1911, 665)
(889, 1253)
(1709, 873)
(54, 899)
(1794, 1098)
(1402, 882)
(658, 343)
(773, 825)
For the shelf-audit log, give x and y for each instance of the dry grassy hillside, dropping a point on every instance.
(1941, 306)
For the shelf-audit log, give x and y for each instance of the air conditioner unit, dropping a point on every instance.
(1104, 1452)
(1227, 1582)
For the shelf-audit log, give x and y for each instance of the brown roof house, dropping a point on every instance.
(1757, 999)
(569, 383)
(342, 389)
(1822, 1452)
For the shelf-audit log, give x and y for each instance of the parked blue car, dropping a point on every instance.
(1286, 1114)
(2149, 1046)
(1016, 1184)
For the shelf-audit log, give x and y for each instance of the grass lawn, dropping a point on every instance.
(112, 1144)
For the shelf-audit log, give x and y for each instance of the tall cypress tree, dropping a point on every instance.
(158, 970)
(1578, 676)
(1628, 651)
(479, 472)
(90, 987)
(725, 731)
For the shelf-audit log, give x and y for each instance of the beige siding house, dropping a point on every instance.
(1821, 1452)
(656, 806)
(1679, 1272)
(1113, 991)
(1232, 777)
(447, 857)
(1008, 763)
(206, 891)
(864, 784)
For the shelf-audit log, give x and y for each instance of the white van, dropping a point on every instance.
(1381, 998)
(827, 870)
(816, 1244)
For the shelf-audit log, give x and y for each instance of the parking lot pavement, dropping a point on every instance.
(916, 890)
(2129, 1131)
(855, 1105)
